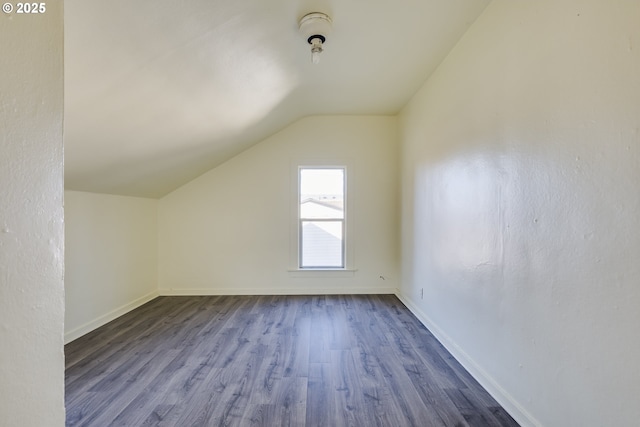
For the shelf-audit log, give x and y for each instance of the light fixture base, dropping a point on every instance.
(315, 27)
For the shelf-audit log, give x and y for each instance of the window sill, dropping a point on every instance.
(322, 272)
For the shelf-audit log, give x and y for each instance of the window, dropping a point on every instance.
(321, 217)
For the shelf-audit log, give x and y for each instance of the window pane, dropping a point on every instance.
(321, 193)
(321, 244)
(322, 217)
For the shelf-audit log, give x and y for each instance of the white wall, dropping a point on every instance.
(31, 220)
(111, 258)
(229, 230)
(520, 173)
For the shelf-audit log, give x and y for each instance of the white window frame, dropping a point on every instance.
(343, 220)
(295, 268)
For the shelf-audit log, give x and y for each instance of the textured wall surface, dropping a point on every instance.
(520, 172)
(31, 220)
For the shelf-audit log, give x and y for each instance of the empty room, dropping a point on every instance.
(320, 213)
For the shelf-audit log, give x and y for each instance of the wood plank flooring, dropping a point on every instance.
(343, 360)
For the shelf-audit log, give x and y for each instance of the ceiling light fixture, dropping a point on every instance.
(315, 27)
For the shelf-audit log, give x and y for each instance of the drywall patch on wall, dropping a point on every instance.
(111, 257)
(520, 156)
(31, 219)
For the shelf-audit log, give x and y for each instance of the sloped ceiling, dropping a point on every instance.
(157, 92)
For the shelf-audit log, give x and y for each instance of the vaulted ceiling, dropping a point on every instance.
(159, 91)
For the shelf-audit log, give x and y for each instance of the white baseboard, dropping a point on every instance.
(106, 318)
(276, 291)
(524, 418)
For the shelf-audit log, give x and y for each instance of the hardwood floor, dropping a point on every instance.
(343, 360)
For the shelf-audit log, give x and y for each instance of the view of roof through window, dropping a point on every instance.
(322, 217)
